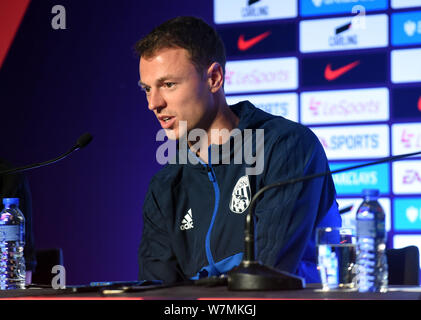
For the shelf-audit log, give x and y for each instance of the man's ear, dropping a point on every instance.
(215, 76)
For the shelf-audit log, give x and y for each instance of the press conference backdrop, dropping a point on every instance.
(351, 71)
(353, 78)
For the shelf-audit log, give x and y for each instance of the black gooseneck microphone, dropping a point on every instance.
(82, 142)
(251, 274)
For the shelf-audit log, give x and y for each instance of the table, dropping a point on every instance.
(195, 292)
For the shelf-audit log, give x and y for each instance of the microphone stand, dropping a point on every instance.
(250, 274)
(82, 142)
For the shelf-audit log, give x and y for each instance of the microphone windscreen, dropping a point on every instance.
(84, 140)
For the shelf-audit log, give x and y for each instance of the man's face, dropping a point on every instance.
(176, 91)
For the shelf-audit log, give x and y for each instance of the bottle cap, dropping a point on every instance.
(371, 192)
(10, 201)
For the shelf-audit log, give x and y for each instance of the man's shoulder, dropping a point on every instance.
(279, 128)
(273, 124)
(166, 176)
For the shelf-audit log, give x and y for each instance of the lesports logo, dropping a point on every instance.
(406, 137)
(241, 195)
(261, 75)
(334, 74)
(244, 45)
(355, 105)
(347, 69)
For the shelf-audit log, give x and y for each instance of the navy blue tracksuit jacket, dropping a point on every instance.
(194, 213)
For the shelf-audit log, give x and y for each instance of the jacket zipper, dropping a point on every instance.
(212, 178)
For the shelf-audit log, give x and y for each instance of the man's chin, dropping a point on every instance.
(176, 132)
(172, 134)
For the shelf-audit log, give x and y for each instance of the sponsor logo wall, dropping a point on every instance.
(350, 70)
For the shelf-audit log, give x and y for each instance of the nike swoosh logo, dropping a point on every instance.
(334, 74)
(244, 45)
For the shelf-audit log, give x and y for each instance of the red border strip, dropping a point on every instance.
(11, 15)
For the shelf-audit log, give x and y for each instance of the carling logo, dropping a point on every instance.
(406, 28)
(354, 142)
(405, 65)
(343, 33)
(344, 106)
(278, 104)
(261, 75)
(406, 138)
(246, 11)
(407, 177)
(323, 7)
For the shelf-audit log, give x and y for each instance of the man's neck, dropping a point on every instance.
(218, 132)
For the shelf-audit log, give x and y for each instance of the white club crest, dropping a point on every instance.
(241, 195)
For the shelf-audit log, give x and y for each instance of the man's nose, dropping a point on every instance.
(156, 100)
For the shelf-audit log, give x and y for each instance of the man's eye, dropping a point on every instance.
(169, 84)
(146, 89)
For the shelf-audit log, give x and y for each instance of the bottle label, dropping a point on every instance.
(10, 233)
(366, 228)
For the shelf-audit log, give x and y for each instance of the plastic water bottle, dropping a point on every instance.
(12, 242)
(371, 244)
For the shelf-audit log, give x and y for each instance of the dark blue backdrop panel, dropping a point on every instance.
(56, 85)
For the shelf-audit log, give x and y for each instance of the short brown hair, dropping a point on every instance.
(201, 41)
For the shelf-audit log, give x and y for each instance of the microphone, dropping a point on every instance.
(82, 142)
(251, 274)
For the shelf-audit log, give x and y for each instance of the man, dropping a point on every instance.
(194, 211)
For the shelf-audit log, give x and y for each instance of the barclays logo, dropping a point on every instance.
(353, 182)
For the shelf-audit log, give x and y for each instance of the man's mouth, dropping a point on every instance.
(166, 121)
